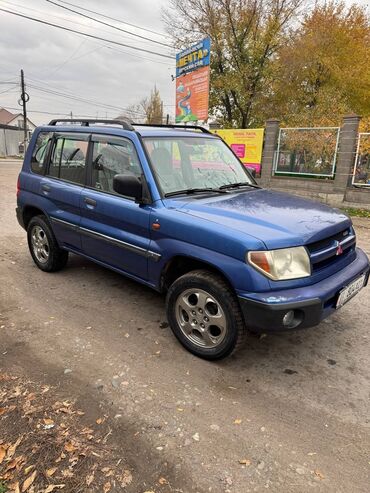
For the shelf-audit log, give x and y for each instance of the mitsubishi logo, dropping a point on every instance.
(339, 248)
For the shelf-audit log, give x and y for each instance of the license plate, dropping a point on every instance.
(349, 291)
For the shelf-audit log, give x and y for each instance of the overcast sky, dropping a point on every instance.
(60, 61)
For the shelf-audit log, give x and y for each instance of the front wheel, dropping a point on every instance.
(204, 314)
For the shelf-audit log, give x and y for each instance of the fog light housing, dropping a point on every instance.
(292, 319)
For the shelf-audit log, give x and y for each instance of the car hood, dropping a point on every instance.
(278, 219)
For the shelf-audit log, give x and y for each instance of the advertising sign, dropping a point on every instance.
(192, 82)
(246, 143)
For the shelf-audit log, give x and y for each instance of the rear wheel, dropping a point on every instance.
(204, 315)
(43, 246)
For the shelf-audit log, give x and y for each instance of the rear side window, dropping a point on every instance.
(68, 158)
(40, 152)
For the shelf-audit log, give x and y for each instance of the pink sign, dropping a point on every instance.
(239, 149)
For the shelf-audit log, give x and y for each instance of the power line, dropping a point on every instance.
(59, 17)
(109, 25)
(138, 56)
(36, 111)
(84, 34)
(116, 20)
(8, 90)
(80, 99)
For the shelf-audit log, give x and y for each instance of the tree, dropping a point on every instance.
(153, 107)
(324, 70)
(246, 36)
(133, 113)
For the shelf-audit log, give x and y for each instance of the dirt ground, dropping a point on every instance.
(288, 413)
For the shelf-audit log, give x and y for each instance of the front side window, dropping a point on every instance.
(68, 158)
(112, 156)
(183, 163)
(40, 151)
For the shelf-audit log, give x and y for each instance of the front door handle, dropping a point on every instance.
(90, 202)
(45, 188)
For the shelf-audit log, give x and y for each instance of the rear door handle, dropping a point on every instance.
(90, 202)
(45, 188)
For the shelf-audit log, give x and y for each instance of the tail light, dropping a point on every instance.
(18, 186)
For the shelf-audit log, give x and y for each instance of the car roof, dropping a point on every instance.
(154, 131)
(117, 127)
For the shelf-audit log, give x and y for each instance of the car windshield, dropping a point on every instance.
(194, 163)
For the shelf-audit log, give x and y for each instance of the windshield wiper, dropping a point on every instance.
(239, 184)
(189, 191)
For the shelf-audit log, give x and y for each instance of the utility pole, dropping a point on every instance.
(23, 101)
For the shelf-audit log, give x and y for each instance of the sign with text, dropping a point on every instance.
(246, 143)
(192, 82)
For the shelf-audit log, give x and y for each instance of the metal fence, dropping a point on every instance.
(361, 171)
(307, 152)
(10, 140)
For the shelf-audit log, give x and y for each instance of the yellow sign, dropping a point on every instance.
(246, 143)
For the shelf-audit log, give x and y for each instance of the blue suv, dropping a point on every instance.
(173, 208)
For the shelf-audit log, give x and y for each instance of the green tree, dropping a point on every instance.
(246, 37)
(153, 107)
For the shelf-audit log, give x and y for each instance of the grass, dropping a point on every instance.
(355, 212)
(3, 487)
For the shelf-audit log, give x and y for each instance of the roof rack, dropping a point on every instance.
(85, 122)
(169, 125)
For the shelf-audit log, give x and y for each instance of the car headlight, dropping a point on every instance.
(283, 264)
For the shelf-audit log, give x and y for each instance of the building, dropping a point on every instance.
(15, 120)
(11, 133)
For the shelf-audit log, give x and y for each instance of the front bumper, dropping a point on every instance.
(264, 312)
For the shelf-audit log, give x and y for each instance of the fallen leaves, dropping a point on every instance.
(319, 474)
(45, 447)
(50, 472)
(48, 421)
(2, 453)
(70, 447)
(237, 421)
(53, 487)
(27, 483)
(245, 462)
(13, 448)
(14, 463)
(125, 479)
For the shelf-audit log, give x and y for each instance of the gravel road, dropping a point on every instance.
(288, 413)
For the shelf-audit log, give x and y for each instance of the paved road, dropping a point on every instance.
(294, 406)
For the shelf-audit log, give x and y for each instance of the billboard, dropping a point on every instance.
(246, 143)
(192, 82)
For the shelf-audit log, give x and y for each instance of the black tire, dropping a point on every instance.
(52, 258)
(232, 335)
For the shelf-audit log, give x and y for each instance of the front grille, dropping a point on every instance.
(329, 250)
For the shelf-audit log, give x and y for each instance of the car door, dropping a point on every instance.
(61, 186)
(114, 229)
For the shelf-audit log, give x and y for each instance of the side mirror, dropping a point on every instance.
(128, 185)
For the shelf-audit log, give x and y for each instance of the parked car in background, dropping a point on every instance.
(173, 208)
